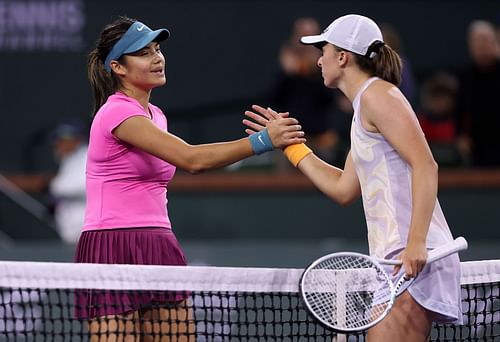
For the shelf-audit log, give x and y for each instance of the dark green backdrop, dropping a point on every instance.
(221, 55)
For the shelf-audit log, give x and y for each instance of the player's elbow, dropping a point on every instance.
(194, 167)
(345, 198)
(194, 171)
(434, 169)
(430, 167)
(346, 201)
(434, 166)
(197, 158)
(192, 163)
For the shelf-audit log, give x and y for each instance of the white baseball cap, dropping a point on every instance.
(352, 32)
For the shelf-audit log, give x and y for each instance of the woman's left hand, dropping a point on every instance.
(282, 129)
(414, 257)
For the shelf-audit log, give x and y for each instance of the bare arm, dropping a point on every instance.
(340, 185)
(394, 118)
(142, 133)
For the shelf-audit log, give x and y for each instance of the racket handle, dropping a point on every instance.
(440, 252)
(459, 244)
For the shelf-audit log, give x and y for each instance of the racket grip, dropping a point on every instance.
(440, 252)
(459, 244)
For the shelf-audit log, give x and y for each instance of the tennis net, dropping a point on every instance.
(42, 301)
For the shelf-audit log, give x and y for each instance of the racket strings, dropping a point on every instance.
(347, 292)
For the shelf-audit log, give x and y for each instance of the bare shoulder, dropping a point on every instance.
(383, 98)
(378, 93)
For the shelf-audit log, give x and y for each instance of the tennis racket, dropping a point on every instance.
(350, 292)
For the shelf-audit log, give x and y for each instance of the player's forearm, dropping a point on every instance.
(424, 194)
(327, 178)
(216, 155)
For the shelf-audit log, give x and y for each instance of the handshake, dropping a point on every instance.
(270, 130)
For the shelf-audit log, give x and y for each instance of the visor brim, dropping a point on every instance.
(153, 36)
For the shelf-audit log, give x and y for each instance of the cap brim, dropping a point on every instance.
(153, 36)
(318, 40)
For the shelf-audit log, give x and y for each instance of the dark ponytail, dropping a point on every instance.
(386, 64)
(103, 83)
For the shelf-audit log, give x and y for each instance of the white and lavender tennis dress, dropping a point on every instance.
(386, 188)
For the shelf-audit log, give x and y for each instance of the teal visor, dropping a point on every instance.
(137, 37)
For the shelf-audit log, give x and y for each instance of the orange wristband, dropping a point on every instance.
(296, 152)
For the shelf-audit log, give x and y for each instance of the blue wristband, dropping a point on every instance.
(261, 142)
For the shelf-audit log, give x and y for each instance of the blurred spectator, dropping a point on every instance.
(341, 123)
(437, 117)
(299, 89)
(393, 39)
(479, 106)
(67, 188)
(497, 29)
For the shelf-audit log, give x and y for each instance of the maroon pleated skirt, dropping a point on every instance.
(139, 246)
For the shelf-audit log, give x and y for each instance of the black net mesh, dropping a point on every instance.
(38, 314)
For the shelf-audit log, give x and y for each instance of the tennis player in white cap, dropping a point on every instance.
(391, 167)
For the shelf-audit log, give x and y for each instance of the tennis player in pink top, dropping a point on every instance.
(131, 159)
(391, 167)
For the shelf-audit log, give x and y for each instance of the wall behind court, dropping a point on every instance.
(222, 55)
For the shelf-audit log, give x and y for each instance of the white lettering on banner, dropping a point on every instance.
(38, 25)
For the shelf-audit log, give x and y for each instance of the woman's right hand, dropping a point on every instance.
(282, 129)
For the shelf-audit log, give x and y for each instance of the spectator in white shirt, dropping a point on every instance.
(68, 186)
